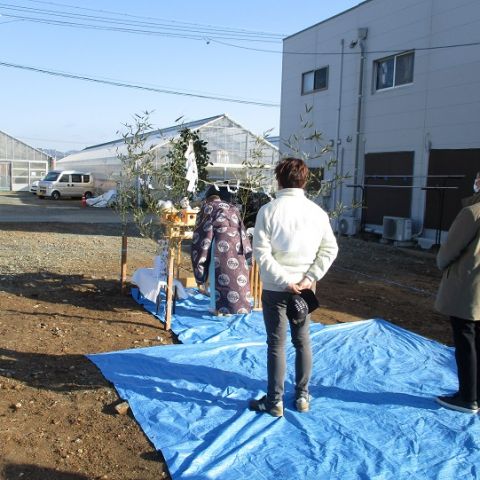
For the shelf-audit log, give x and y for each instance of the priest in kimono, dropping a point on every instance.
(221, 253)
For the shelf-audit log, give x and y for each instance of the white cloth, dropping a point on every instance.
(160, 261)
(293, 238)
(150, 284)
(191, 167)
(185, 203)
(102, 201)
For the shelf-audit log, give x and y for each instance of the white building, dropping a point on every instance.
(20, 164)
(229, 145)
(395, 89)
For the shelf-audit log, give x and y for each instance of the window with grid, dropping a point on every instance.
(394, 71)
(315, 80)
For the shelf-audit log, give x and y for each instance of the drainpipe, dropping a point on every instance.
(342, 164)
(362, 36)
(337, 135)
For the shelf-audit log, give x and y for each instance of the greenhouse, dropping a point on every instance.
(20, 164)
(230, 146)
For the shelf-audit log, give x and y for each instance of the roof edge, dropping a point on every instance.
(158, 131)
(263, 139)
(328, 19)
(26, 144)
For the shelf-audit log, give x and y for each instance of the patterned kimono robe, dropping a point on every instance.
(220, 241)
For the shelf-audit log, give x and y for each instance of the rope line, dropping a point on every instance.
(384, 280)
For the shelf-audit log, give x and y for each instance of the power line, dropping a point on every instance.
(138, 87)
(157, 87)
(156, 18)
(177, 29)
(203, 36)
(215, 35)
(10, 21)
(53, 15)
(417, 49)
(105, 28)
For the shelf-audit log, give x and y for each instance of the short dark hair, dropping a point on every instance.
(219, 191)
(291, 173)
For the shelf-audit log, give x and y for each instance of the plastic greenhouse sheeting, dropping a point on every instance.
(372, 416)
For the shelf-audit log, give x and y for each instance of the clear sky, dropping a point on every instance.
(209, 54)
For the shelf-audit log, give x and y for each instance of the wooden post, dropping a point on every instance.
(179, 258)
(123, 264)
(169, 299)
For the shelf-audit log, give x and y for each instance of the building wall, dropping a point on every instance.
(439, 110)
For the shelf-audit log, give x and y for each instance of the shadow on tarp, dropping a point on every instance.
(373, 413)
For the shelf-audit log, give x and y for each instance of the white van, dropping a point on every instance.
(66, 183)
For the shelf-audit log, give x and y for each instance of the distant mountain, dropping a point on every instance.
(56, 153)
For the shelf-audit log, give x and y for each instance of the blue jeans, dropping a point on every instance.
(276, 321)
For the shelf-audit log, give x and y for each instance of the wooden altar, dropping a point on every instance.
(179, 226)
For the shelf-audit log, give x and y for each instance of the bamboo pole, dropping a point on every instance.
(250, 277)
(259, 289)
(255, 286)
(123, 264)
(179, 258)
(169, 299)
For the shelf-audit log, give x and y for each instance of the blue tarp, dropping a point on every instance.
(193, 323)
(373, 414)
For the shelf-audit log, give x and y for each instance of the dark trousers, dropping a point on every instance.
(466, 337)
(276, 323)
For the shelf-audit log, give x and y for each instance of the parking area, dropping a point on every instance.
(27, 207)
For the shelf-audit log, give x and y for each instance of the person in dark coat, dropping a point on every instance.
(221, 252)
(459, 298)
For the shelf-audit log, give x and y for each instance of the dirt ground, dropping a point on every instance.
(60, 300)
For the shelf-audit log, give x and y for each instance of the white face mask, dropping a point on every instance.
(476, 188)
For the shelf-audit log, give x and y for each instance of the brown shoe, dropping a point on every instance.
(263, 406)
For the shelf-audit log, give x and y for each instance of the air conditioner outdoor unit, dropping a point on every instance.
(348, 225)
(397, 228)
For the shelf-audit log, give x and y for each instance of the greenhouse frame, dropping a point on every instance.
(230, 146)
(20, 164)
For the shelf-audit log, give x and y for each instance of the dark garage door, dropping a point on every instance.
(380, 202)
(449, 162)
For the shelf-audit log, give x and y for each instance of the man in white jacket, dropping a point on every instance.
(294, 246)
